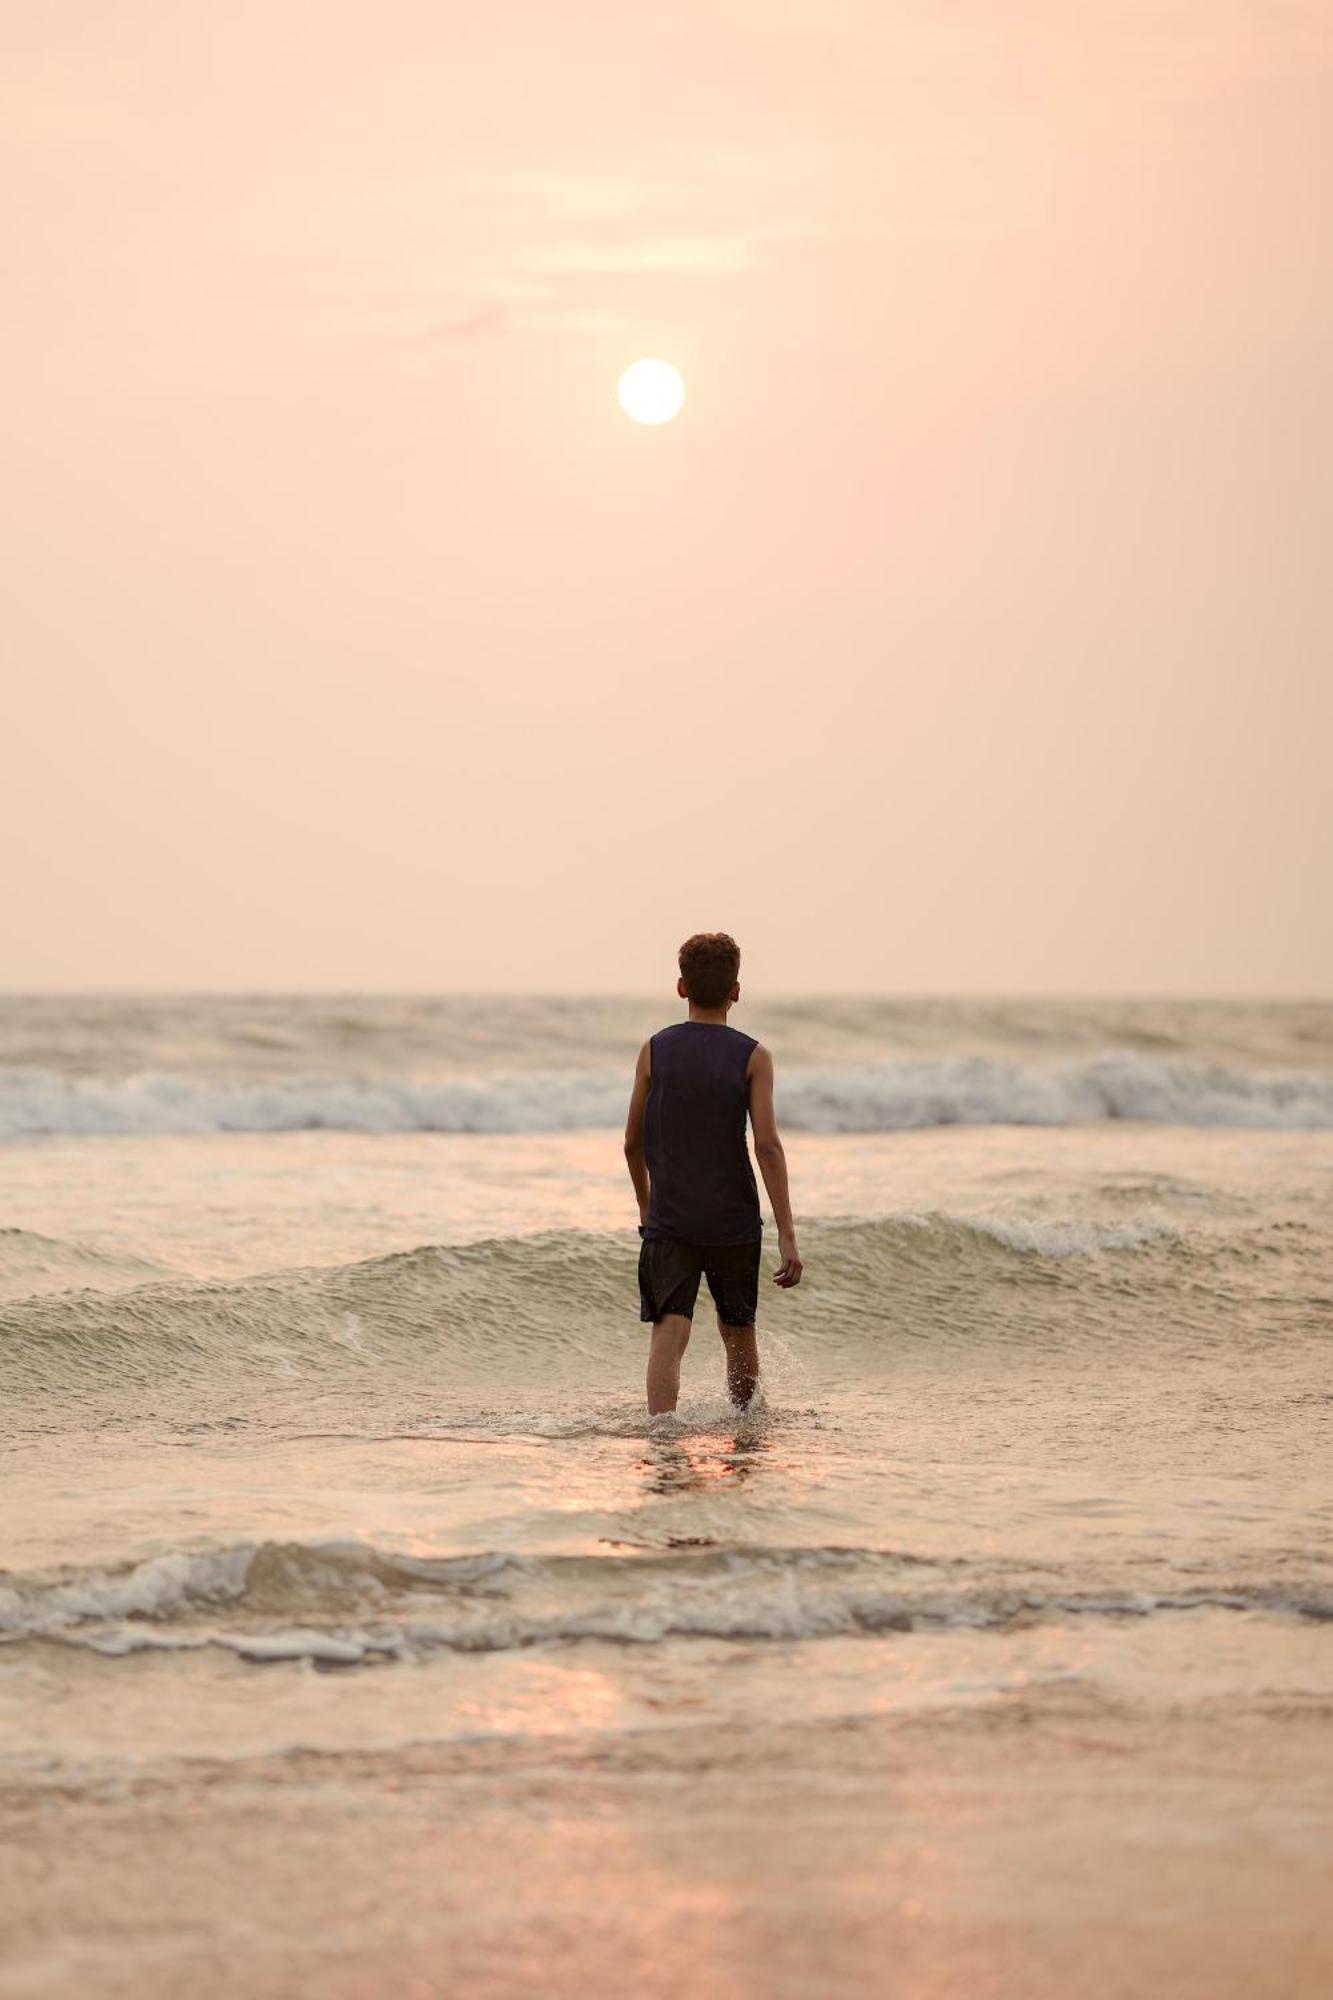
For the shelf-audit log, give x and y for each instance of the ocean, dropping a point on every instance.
(326, 1447)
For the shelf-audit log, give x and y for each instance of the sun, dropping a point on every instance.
(651, 391)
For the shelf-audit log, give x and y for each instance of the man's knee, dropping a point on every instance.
(675, 1328)
(734, 1333)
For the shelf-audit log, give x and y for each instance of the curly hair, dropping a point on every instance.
(710, 964)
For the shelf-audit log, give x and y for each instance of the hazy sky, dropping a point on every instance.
(970, 629)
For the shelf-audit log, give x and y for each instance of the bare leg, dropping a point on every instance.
(742, 1362)
(671, 1336)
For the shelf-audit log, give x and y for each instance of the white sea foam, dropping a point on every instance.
(161, 1587)
(340, 1603)
(890, 1096)
(1072, 1237)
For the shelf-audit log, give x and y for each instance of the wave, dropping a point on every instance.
(30, 1262)
(285, 1036)
(902, 1095)
(1055, 1237)
(559, 1303)
(347, 1602)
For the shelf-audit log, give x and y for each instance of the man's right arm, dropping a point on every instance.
(773, 1164)
(636, 1158)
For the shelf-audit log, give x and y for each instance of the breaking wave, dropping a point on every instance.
(345, 1603)
(900, 1095)
(558, 1303)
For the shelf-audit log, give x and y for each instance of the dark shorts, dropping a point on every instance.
(669, 1274)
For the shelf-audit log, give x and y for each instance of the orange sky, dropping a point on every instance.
(968, 630)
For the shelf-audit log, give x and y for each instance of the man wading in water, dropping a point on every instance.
(698, 1204)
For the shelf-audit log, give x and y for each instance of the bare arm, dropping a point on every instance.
(635, 1157)
(773, 1164)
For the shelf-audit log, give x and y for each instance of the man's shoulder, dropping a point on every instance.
(646, 1051)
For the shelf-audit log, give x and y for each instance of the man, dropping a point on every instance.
(698, 1204)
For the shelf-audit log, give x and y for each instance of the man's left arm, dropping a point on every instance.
(772, 1160)
(636, 1158)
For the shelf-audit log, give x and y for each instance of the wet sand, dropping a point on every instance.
(1045, 1845)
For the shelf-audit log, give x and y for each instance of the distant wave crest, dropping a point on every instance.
(30, 1263)
(902, 1095)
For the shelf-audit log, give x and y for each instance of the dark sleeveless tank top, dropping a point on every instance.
(702, 1182)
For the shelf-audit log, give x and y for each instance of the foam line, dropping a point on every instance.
(902, 1095)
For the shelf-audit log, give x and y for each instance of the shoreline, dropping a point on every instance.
(1030, 1849)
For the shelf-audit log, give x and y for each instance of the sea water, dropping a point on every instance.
(323, 1415)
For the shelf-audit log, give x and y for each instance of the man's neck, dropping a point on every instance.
(715, 1016)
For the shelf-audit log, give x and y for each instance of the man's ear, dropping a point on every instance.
(735, 993)
(682, 989)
